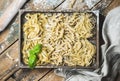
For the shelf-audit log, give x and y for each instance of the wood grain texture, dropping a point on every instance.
(3, 36)
(72, 5)
(10, 12)
(10, 34)
(115, 3)
(42, 4)
(11, 79)
(4, 4)
(8, 62)
(29, 75)
(52, 77)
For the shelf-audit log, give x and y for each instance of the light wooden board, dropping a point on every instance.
(115, 3)
(8, 61)
(29, 75)
(52, 77)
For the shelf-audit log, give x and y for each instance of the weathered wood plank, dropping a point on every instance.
(115, 3)
(42, 5)
(3, 35)
(9, 36)
(72, 5)
(52, 77)
(29, 75)
(11, 79)
(4, 4)
(8, 62)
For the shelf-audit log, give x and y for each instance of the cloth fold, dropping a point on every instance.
(110, 53)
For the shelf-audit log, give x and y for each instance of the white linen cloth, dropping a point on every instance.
(110, 54)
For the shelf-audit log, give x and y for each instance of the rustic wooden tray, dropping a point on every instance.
(22, 20)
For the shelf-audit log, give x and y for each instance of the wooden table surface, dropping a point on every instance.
(9, 69)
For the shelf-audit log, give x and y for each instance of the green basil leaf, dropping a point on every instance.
(31, 52)
(33, 55)
(32, 61)
(38, 48)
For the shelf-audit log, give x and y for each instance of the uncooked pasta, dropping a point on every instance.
(64, 38)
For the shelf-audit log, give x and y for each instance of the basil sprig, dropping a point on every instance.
(33, 55)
